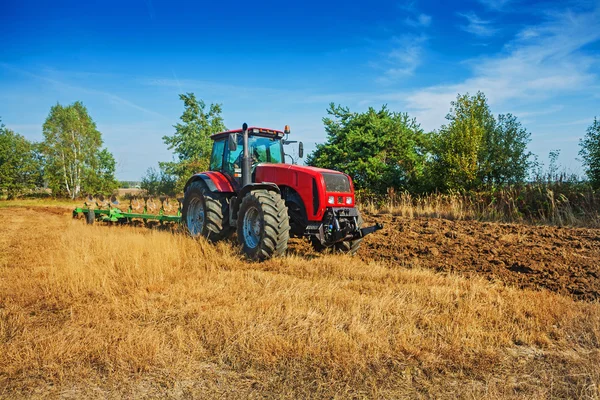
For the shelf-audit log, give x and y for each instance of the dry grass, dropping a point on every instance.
(130, 312)
(549, 204)
(48, 202)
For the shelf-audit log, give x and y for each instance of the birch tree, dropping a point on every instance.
(71, 145)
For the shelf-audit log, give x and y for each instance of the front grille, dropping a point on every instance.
(336, 183)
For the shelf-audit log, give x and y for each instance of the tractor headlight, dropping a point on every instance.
(330, 200)
(348, 200)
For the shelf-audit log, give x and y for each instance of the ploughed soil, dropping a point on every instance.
(563, 260)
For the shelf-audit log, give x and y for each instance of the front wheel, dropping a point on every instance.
(263, 226)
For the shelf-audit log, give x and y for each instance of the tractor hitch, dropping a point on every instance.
(367, 231)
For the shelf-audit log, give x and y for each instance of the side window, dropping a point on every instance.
(233, 160)
(216, 158)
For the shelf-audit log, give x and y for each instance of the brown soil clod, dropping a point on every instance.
(560, 259)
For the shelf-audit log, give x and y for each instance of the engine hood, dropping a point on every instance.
(318, 188)
(299, 175)
(298, 168)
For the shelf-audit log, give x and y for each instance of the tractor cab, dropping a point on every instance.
(264, 146)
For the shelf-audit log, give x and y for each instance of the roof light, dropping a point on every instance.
(286, 129)
(255, 130)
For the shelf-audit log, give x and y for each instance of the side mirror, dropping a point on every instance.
(300, 150)
(232, 141)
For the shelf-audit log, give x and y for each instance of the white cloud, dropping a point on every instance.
(404, 58)
(495, 4)
(420, 21)
(532, 67)
(476, 25)
(112, 98)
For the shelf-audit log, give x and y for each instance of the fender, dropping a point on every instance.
(215, 182)
(256, 186)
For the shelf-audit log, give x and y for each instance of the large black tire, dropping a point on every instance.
(349, 247)
(205, 213)
(263, 226)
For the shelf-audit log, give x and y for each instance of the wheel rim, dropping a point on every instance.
(252, 227)
(195, 217)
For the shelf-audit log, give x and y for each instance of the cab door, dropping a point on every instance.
(216, 157)
(232, 163)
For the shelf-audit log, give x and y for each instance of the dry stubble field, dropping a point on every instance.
(429, 308)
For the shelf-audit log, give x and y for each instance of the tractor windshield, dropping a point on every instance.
(261, 149)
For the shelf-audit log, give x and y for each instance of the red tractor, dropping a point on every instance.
(250, 188)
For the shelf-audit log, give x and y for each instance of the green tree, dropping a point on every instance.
(590, 152)
(505, 159)
(20, 166)
(379, 149)
(74, 160)
(191, 141)
(459, 145)
(475, 149)
(101, 177)
(159, 182)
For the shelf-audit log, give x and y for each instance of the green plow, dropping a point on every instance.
(101, 209)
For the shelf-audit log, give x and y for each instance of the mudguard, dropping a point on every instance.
(215, 182)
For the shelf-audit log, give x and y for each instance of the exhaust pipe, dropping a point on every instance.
(246, 160)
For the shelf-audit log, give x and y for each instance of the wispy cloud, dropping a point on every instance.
(403, 59)
(584, 122)
(531, 68)
(476, 25)
(150, 8)
(420, 21)
(495, 4)
(112, 98)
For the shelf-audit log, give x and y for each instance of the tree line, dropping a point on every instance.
(380, 149)
(473, 151)
(383, 149)
(69, 161)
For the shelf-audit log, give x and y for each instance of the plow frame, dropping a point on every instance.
(107, 213)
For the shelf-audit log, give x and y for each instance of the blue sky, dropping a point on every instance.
(276, 63)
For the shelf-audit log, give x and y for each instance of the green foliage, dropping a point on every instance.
(74, 161)
(590, 153)
(101, 178)
(505, 156)
(191, 141)
(159, 182)
(474, 149)
(378, 149)
(459, 145)
(20, 164)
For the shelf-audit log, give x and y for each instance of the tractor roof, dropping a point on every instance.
(253, 130)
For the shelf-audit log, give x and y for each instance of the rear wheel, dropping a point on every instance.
(203, 213)
(263, 226)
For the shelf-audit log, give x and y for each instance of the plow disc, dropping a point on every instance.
(148, 208)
